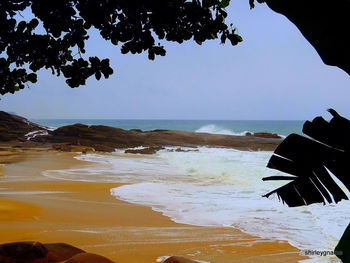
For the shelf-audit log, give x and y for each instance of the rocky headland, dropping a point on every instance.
(79, 137)
(13, 128)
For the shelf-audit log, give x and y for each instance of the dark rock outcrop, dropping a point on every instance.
(182, 150)
(35, 252)
(99, 137)
(58, 252)
(103, 148)
(177, 259)
(264, 135)
(135, 130)
(67, 147)
(87, 258)
(80, 137)
(13, 127)
(23, 252)
(148, 150)
(267, 135)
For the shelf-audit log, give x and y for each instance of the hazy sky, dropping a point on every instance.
(273, 74)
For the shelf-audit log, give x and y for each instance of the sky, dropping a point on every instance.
(274, 74)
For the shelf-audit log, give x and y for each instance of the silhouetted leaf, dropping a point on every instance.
(98, 75)
(310, 161)
(224, 3)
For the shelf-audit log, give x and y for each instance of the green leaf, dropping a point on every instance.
(32, 77)
(239, 38)
(224, 3)
(114, 41)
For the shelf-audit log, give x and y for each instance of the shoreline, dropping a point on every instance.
(85, 215)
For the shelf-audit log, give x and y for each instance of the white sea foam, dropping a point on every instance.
(33, 134)
(215, 187)
(163, 258)
(117, 168)
(215, 129)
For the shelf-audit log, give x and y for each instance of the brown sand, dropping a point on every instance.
(35, 207)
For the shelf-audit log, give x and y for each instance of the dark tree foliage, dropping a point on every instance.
(60, 28)
(309, 161)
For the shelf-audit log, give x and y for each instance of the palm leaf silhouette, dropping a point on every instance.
(309, 161)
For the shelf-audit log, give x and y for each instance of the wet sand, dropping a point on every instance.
(84, 214)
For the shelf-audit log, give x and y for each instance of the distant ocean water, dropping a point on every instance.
(231, 127)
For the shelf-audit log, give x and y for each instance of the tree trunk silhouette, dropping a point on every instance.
(324, 23)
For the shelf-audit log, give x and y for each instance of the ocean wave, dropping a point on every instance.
(214, 187)
(307, 228)
(215, 129)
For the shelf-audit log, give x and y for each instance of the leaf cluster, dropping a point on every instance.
(59, 27)
(311, 161)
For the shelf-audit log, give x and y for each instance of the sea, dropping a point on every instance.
(212, 186)
(230, 127)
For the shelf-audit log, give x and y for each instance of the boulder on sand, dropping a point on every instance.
(58, 252)
(87, 258)
(177, 259)
(35, 252)
(23, 252)
(103, 148)
(67, 147)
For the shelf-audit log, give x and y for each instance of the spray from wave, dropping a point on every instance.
(215, 129)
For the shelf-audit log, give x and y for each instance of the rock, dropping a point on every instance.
(104, 138)
(60, 251)
(148, 150)
(14, 128)
(177, 259)
(83, 149)
(87, 258)
(23, 252)
(264, 135)
(35, 252)
(107, 139)
(135, 130)
(267, 135)
(103, 148)
(67, 147)
(63, 147)
(182, 150)
(101, 138)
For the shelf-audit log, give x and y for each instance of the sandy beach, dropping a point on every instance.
(84, 214)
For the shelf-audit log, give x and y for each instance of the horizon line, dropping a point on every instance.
(122, 119)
